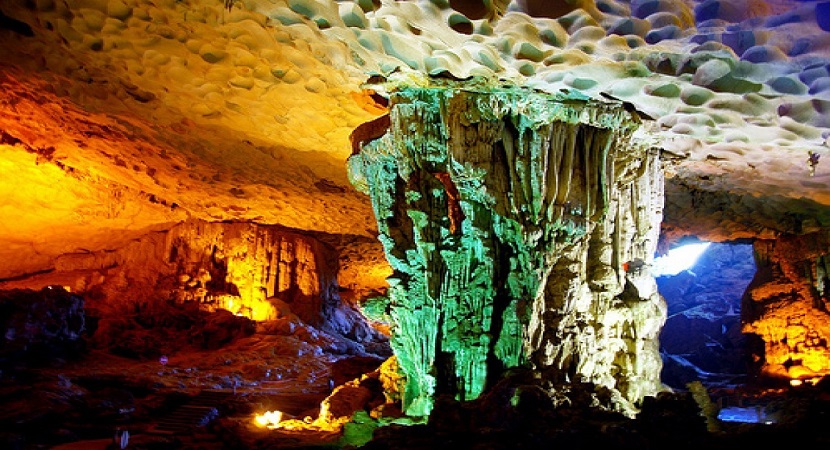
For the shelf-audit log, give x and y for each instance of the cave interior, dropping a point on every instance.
(414, 224)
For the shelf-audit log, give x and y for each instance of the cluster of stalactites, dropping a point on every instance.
(249, 269)
(477, 194)
(600, 317)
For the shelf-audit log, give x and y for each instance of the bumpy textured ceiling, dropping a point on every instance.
(118, 117)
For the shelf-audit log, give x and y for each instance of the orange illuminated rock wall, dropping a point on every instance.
(76, 180)
(248, 269)
(786, 308)
(258, 271)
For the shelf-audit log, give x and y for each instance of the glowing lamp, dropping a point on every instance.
(269, 419)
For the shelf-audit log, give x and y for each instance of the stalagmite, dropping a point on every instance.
(555, 197)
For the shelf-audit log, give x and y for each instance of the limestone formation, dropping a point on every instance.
(516, 224)
(256, 271)
(40, 326)
(785, 309)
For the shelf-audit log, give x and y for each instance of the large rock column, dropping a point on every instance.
(508, 217)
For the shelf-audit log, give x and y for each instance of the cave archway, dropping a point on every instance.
(702, 338)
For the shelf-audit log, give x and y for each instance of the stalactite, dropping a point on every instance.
(481, 289)
(566, 166)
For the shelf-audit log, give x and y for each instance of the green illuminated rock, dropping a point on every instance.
(507, 215)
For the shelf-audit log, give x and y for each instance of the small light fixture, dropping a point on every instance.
(269, 419)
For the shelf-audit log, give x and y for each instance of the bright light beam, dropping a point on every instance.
(678, 259)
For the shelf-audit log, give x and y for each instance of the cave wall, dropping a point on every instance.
(245, 267)
(516, 224)
(258, 271)
(785, 309)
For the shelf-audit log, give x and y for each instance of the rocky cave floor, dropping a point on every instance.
(148, 379)
(172, 376)
(80, 404)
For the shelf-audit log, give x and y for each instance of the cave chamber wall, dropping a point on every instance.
(261, 272)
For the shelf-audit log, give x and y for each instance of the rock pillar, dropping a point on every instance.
(519, 227)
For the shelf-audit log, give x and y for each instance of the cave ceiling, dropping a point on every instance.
(121, 117)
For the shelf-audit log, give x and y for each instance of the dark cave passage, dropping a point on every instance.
(702, 338)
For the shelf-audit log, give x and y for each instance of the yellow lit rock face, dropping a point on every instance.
(257, 271)
(786, 306)
(66, 185)
(250, 270)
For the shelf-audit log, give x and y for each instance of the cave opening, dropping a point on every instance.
(703, 284)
